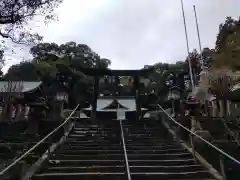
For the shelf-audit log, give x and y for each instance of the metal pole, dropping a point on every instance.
(188, 51)
(125, 152)
(199, 39)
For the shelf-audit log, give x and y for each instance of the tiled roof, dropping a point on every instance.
(18, 86)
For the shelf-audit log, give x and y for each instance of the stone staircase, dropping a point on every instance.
(95, 151)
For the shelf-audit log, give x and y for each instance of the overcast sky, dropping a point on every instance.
(134, 33)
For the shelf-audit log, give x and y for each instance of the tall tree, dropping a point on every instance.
(194, 57)
(207, 55)
(61, 65)
(225, 29)
(228, 45)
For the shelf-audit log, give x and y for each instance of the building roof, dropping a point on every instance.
(18, 86)
(111, 72)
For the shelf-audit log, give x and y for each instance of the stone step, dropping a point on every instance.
(121, 168)
(165, 162)
(92, 147)
(93, 140)
(174, 175)
(90, 144)
(92, 169)
(97, 151)
(89, 151)
(155, 147)
(159, 156)
(87, 134)
(76, 128)
(116, 162)
(144, 131)
(94, 162)
(121, 155)
(166, 169)
(149, 140)
(121, 176)
(159, 144)
(78, 176)
(95, 131)
(86, 157)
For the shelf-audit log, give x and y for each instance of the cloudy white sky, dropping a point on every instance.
(133, 33)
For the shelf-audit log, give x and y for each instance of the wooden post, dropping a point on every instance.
(138, 106)
(115, 87)
(18, 111)
(95, 96)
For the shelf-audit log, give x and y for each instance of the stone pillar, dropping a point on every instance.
(214, 110)
(235, 105)
(228, 108)
(26, 112)
(95, 96)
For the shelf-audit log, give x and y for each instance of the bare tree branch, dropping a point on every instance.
(15, 14)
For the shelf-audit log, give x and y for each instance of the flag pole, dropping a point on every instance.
(187, 43)
(199, 39)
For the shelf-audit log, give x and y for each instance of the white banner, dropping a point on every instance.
(121, 115)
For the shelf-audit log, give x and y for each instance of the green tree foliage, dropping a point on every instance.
(161, 74)
(225, 29)
(15, 14)
(24, 71)
(59, 67)
(207, 55)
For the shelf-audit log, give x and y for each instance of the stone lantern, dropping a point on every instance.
(194, 108)
(61, 98)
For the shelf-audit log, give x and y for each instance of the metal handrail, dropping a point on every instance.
(125, 152)
(204, 140)
(39, 143)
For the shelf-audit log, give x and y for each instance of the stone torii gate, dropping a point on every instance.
(98, 73)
